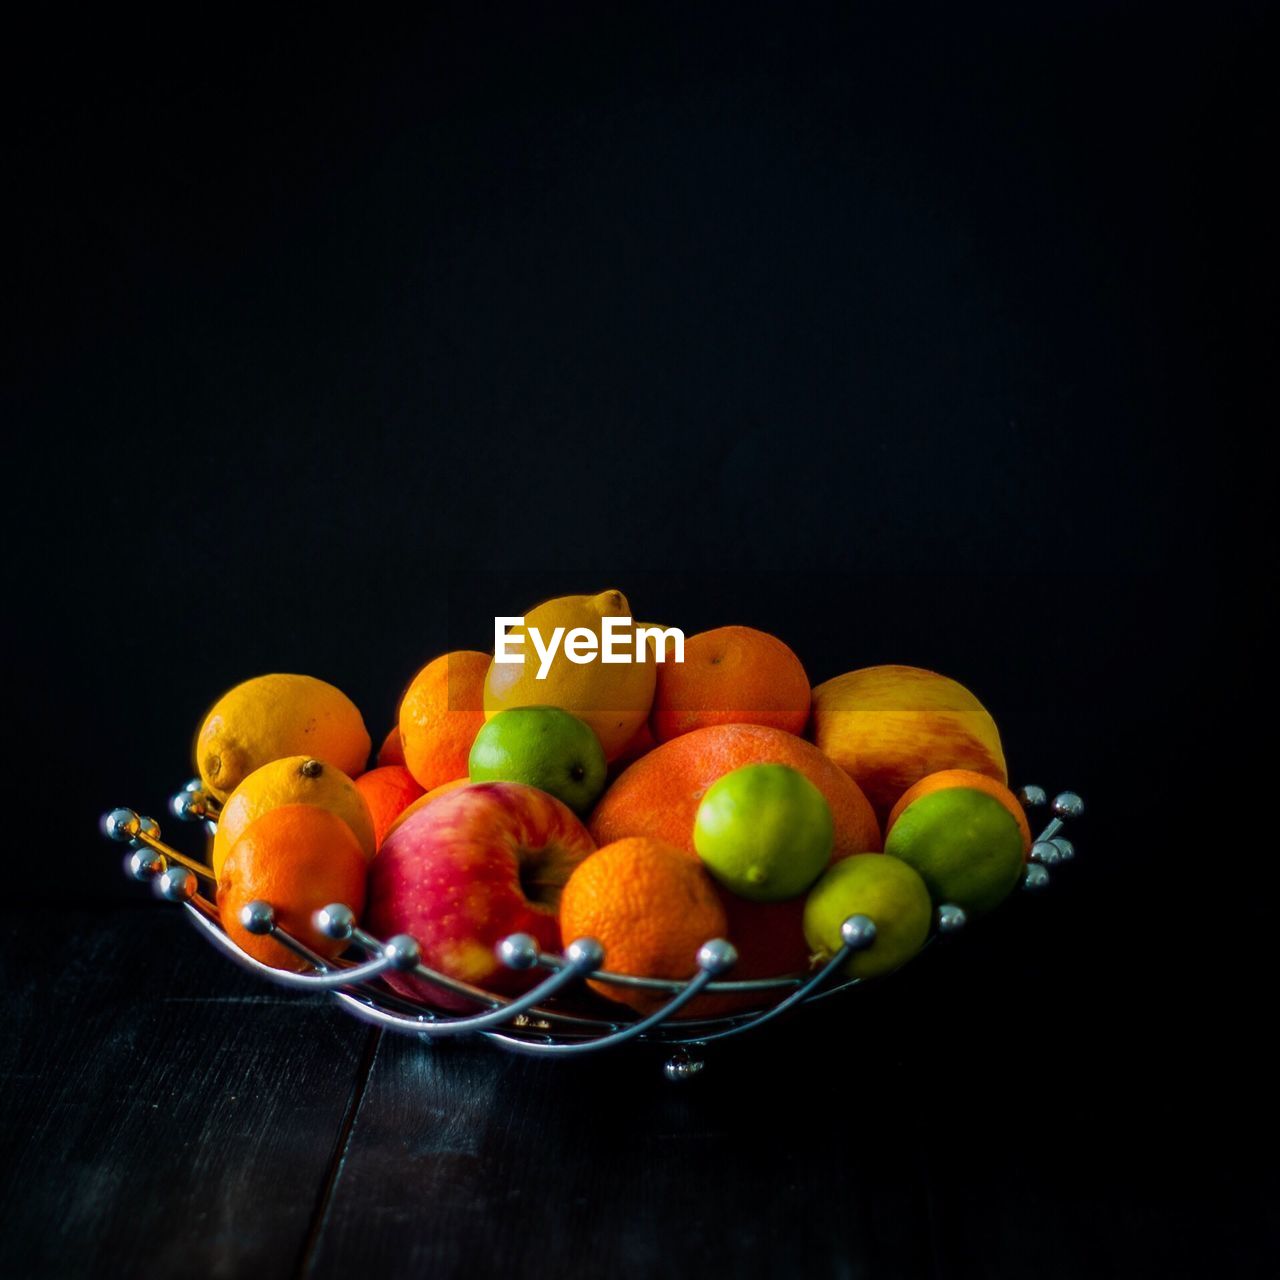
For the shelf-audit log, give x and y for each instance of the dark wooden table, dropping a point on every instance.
(166, 1114)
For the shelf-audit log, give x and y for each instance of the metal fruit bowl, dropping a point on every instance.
(537, 1023)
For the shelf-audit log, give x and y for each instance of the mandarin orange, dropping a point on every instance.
(388, 791)
(298, 858)
(650, 906)
(392, 749)
(732, 675)
(440, 714)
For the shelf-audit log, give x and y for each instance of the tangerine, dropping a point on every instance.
(732, 675)
(392, 749)
(440, 714)
(388, 791)
(650, 906)
(299, 858)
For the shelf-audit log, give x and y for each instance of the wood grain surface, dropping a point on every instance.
(164, 1114)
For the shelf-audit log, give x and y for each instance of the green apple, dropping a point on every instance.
(884, 889)
(965, 844)
(764, 831)
(543, 747)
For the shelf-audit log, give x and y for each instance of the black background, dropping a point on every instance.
(908, 333)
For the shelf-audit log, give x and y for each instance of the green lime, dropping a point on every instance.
(544, 747)
(886, 890)
(964, 843)
(764, 831)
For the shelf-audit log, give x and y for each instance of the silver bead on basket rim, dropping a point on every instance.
(518, 951)
(951, 918)
(193, 784)
(1068, 805)
(858, 932)
(177, 884)
(403, 952)
(258, 917)
(1035, 878)
(1066, 850)
(187, 806)
(336, 921)
(716, 956)
(144, 863)
(1046, 853)
(587, 953)
(1032, 797)
(121, 824)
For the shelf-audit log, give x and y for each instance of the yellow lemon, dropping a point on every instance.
(293, 780)
(274, 716)
(612, 697)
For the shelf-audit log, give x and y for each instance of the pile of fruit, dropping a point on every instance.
(648, 805)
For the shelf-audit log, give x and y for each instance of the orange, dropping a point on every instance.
(270, 717)
(298, 858)
(614, 698)
(440, 714)
(423, 800)
(732, 675)
(944, 779)
(658, 795)
(388, 791)
(650, 906)
(293, 780)
(392, 749)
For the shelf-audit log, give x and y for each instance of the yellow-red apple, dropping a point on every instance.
(888, 727)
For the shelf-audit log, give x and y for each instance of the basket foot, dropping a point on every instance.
(680, 1066)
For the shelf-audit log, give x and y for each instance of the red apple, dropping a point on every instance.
(465, 871)
(770, 940)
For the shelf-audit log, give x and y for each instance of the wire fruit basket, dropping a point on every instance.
(537, 1023)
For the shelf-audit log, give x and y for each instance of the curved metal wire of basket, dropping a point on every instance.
(531, 1023)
